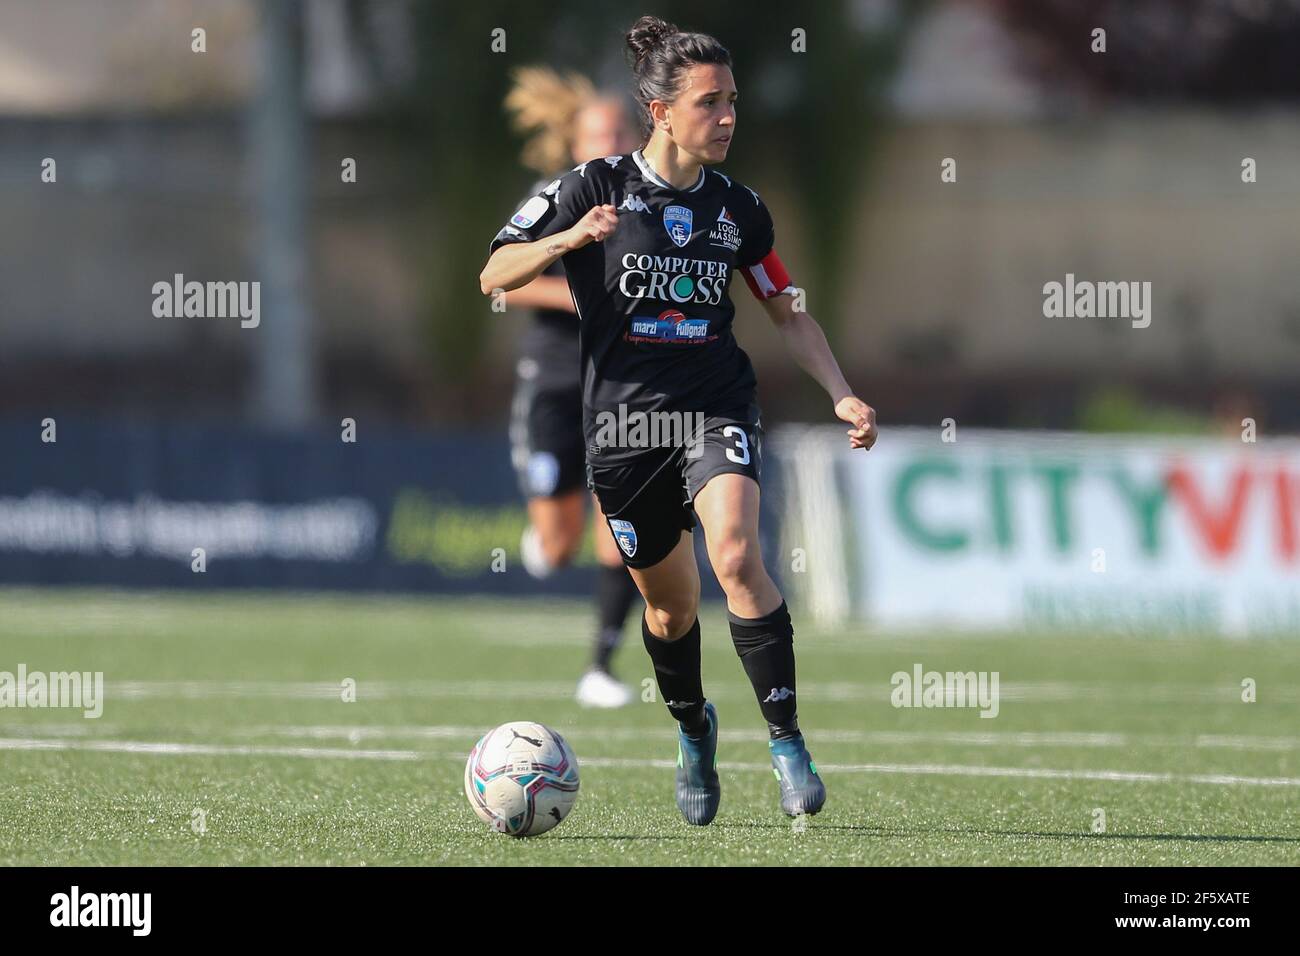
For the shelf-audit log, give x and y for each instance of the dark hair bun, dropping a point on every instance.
(646, 34)
(661, 54)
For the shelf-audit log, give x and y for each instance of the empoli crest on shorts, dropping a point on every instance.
(624, 534)
(677, 220)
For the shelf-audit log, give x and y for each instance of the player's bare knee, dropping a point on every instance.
(738, 563)
(670, 622)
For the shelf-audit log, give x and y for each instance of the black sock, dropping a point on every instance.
(615, 592)
(766, 649)
(677, 669)
(607, 641)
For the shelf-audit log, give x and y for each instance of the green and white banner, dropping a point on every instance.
(1014, 529)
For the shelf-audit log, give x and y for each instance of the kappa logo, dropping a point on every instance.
(677, 221)
(613, 160)
(553, 190)
(625, 535)
(785, 693)
(634, 203)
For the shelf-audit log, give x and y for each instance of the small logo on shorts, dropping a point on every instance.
(625, 535)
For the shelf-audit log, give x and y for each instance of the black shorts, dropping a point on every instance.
(649, 501)
(546, 444)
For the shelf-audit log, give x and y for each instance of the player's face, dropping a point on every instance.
(601, 129)
(703, 117)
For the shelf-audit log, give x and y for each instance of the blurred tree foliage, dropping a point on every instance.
(1113, 408)
(810, 118)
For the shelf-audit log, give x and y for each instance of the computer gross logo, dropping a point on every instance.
(673, 279)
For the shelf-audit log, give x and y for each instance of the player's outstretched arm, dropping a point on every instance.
(807, 343)
(545, 292)
(519, 263)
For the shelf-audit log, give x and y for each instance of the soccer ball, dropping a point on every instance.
(521, 778)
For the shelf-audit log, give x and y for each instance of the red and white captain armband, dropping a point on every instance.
(767, 277)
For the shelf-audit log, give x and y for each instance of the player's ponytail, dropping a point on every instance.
(544, 106)
(660, 53)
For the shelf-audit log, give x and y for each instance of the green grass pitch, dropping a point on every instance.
(227, 710)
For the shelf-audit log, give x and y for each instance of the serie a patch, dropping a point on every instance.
(530, 212)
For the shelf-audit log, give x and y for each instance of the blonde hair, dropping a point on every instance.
(544, 107)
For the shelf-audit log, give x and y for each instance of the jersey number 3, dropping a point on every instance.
(739, 454)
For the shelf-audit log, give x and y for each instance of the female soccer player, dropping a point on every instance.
(649, 243)
(567, 122)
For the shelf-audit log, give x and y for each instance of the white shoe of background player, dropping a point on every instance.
(599, 689)
(532, 555)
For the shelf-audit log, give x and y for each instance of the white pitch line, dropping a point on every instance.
(201, 750)
(355, 734)
(1248, 743)
(1125, 776)
(1028, 739)
(832, 691)
(250, 750)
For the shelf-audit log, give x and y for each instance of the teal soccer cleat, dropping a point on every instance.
(802, 790)
(698, 789)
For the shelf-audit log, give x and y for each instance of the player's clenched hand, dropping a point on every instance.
(596, 226)
(863, 419)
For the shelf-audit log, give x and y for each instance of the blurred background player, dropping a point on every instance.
(566, 122)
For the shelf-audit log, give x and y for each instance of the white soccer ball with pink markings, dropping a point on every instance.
(522, 778)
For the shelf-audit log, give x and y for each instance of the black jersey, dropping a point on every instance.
(653, 299)
(551, 339)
